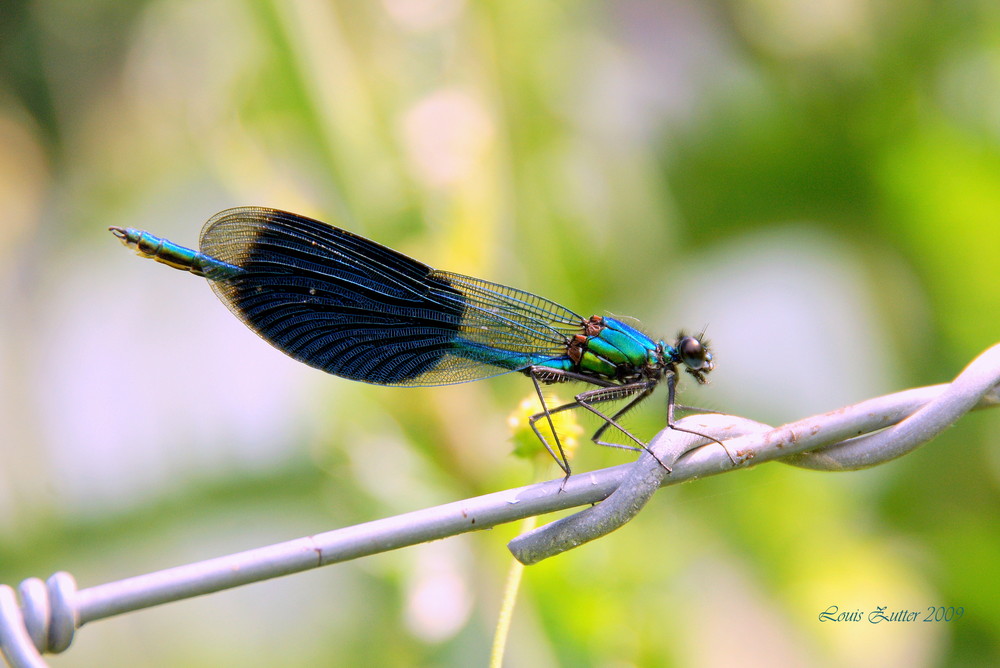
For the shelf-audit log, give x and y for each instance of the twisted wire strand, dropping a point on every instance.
(858, 436)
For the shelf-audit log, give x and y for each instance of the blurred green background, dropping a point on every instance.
(817, 182)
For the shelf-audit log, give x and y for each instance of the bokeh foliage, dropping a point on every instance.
(819, 182)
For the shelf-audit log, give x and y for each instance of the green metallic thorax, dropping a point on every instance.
(610, 349)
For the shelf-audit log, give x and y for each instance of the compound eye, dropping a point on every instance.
(693, 354)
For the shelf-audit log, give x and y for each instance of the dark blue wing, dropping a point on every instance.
(357, 309)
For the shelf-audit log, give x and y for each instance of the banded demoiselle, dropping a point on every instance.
(357, 309)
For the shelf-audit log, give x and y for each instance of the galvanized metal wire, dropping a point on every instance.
(42, 616)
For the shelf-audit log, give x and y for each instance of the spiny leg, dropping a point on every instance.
(603, 394)
(644, 392)
(644, 389)
(561, 457)
(607, 392)
(671, 404)
(547, 374)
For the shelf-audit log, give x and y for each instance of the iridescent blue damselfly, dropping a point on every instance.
(357, 309)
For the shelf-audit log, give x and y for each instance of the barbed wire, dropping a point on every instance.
(858, 436)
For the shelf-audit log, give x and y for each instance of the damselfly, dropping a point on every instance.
(357, 309)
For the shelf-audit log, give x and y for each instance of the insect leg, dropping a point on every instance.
(561, 457)
(643, 389)
(607, 392)
(600, 395)
(546, 374)
(671, 404)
